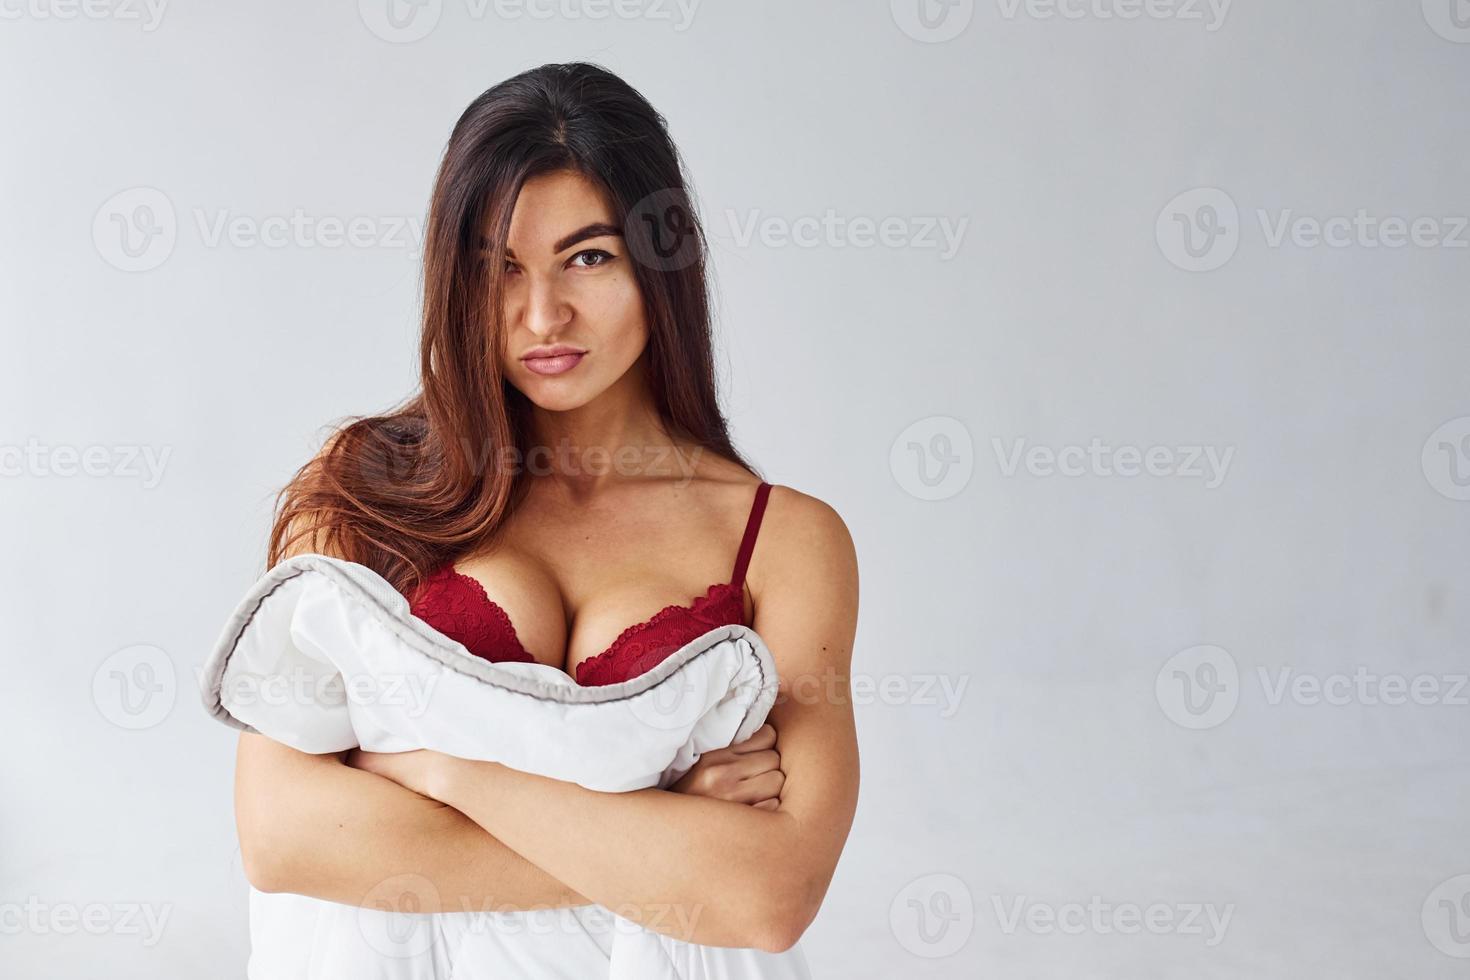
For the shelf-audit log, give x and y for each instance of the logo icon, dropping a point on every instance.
(674, 704)
(1446, 459)
(932, 21)
(1199, 230)
(395, 916)
(400, 21)
(1450, 19)
(1199, 687)
(135, 230)
(135, 687)
(662, 231)
(933, 916)
(934, 458)
(1446, 917)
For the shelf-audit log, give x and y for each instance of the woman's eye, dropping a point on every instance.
(511, 268)
(592, 258)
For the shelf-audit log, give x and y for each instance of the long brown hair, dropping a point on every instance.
(407, 490)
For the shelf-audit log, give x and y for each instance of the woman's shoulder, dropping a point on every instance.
(791, 515)
(803, 579)
(785, 504)
(802, 536)
(788, 505)
(799, 533)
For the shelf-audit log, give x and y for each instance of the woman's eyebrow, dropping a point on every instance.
(597, 230)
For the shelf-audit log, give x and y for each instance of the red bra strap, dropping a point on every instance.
(752, 526)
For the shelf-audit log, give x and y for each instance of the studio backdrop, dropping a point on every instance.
(1128, 338)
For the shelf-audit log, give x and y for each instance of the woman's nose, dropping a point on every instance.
(547, 310)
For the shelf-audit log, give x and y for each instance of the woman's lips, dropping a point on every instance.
(555, 364)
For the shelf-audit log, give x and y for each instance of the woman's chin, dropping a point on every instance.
(550, 396)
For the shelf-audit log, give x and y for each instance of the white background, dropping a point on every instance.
(1071, 766)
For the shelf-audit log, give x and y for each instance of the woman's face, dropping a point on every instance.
(569, 286)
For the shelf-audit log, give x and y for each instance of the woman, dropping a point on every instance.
(565, 472)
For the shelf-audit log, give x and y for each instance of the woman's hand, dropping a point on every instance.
(421, 770)
(746, 772)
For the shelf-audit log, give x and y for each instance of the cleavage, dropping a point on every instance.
(556, 635)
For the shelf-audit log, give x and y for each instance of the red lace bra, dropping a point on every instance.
(457, 606)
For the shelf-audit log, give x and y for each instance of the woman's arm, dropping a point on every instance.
(310, 825)
(698, 869)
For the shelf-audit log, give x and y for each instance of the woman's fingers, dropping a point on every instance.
(752, 764)
(762, 738)
(767, 804)
(766, 786)
(746, 772)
